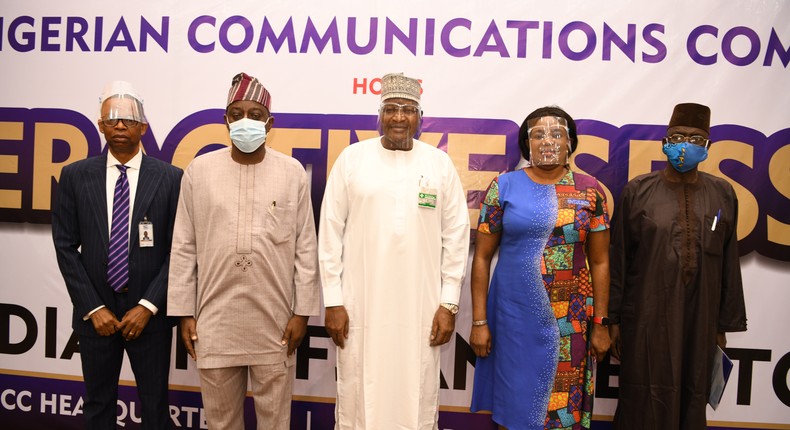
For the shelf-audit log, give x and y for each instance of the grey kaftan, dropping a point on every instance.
(244, 257)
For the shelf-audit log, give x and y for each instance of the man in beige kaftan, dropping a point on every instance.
(243, 269)
(393, 246)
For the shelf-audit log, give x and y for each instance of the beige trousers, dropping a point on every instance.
(224, 390)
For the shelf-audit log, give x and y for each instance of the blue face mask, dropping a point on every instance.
(248, 134)
(685, 156)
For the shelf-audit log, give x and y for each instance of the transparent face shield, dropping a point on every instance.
(548, 141)
(122, 107)
(389, 109)
(119, 101)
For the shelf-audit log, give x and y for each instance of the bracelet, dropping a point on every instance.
(479, 322)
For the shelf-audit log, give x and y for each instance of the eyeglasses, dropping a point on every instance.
(694, 140)
(391, 109)
(128, 123)
(542, 133)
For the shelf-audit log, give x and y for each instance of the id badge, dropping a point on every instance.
(427, 195)
(145, 232)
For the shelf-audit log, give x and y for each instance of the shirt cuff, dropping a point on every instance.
(450, 294)
(148, 305)
(88, 316)
(333, 296)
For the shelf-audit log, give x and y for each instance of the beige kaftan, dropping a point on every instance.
(244, 257)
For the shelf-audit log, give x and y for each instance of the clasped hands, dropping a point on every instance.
(130, 326)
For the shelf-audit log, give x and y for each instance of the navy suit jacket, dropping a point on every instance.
(80, 232)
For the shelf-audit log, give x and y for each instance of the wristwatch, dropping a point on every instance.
(450, 307)
(604, 321)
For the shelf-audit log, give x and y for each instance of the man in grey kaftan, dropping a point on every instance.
(243, 273)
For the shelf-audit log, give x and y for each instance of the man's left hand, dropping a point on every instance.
(721, 340)
(294, 332)
(443, 327)
(134, 321)
(600, 342)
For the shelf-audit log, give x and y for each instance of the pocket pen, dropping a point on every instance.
(715, 221)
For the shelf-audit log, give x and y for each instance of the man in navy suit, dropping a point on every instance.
(112, 201)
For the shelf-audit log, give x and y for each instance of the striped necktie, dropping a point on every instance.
(118, 267)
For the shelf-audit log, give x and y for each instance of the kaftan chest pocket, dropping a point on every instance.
(280, 224)
(713, 235)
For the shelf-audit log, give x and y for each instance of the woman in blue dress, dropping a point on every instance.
(531, 327)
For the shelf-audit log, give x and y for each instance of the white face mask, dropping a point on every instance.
(248, 134)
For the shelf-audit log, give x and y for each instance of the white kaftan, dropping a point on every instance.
(391, 263)
(244, 257)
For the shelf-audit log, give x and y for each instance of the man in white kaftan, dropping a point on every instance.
(243, 269)
(393, 247)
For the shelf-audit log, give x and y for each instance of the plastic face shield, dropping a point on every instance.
(119, 101)
(122, 107)
(390, 109)
(548, 136)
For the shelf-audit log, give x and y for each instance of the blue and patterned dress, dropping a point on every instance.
(539, 374)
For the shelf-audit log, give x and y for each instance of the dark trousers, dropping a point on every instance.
(102, 358)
